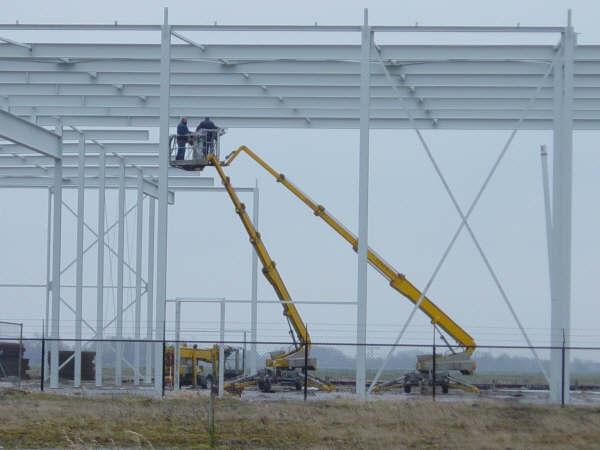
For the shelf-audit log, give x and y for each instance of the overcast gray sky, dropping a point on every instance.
(411, 217)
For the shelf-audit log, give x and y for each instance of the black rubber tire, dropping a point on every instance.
(266, 386)
(445, 388)
(407, 388)
(298, 385)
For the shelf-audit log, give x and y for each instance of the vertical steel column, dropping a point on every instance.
(100, 266)
(163, 191)
(56, 254)
(221, 348)
(48, 274)
(363, 208)
(120, 271)
(547, 210)
(561, 223)
(79, 267)
(150, 290)
(177, 357)
(138, 276)
(251, 367)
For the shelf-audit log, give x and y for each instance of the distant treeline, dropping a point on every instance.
(334, 358)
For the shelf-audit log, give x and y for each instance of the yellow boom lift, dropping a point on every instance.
(283, 367)
(457, 360)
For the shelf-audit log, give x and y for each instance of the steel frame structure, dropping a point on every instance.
(134, 87)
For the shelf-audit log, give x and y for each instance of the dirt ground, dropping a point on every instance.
(36, 420)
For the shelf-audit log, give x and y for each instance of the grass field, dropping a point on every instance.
(33, 420)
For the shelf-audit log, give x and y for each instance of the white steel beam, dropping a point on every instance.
(363, 210)
(120, 274)
(56, 249)
(562, 216)
(150, 290)
(100, 273)
(79, 268)
(251, 367)
(472, 123)
(161, 259)
(177, 358)
(231, 54)
(150, 188)
(29, 135)
(139, 215)
(92, 148)
(221, 383)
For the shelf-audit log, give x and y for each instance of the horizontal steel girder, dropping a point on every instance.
(324, 123)
(69, 53)
(150, 188)
(25, 133)
(93, 172)
(70, 149)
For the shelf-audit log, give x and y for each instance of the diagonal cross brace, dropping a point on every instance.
(464, 219)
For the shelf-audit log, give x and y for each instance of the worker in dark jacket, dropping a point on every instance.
(183, 137)
(211, 136)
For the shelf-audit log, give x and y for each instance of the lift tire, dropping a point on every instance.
(209, 382)
(298, 385)
(407, 388)
(266, 386)
(445, 388)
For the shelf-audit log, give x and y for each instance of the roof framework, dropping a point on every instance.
(99, 90)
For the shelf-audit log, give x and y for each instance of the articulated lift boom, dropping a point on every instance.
(458, 360)
(300, 333)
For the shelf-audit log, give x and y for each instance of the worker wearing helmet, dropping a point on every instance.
(183, 136)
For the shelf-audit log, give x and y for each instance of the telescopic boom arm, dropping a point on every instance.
(269, 271)
(397, 280)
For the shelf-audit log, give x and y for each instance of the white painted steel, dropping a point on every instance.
(22, 132)
(150, 290)
(98, 360)
(177, 358)
(56, 253)
(79, 267)
(547, 208)
(161, 258)
(120, 273)
(251, 367)
(363, 210)
(139, 216)
(562, 215)
(221, 349)
(46, 324)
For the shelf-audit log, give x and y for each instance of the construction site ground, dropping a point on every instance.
(48, 420)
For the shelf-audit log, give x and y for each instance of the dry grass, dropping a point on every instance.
(43, 420)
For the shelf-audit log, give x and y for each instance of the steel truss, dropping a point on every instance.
(110, 96)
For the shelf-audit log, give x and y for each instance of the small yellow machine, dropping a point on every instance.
(198, 367)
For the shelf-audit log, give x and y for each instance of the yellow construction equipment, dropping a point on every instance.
(282, 367)
(192, 365)
(455, 361)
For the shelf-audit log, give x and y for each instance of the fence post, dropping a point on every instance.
(562, 381)
(20, 362)
(163, 360)
(433, 361)
(211, 416)
(305, 364)
(43, 357)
